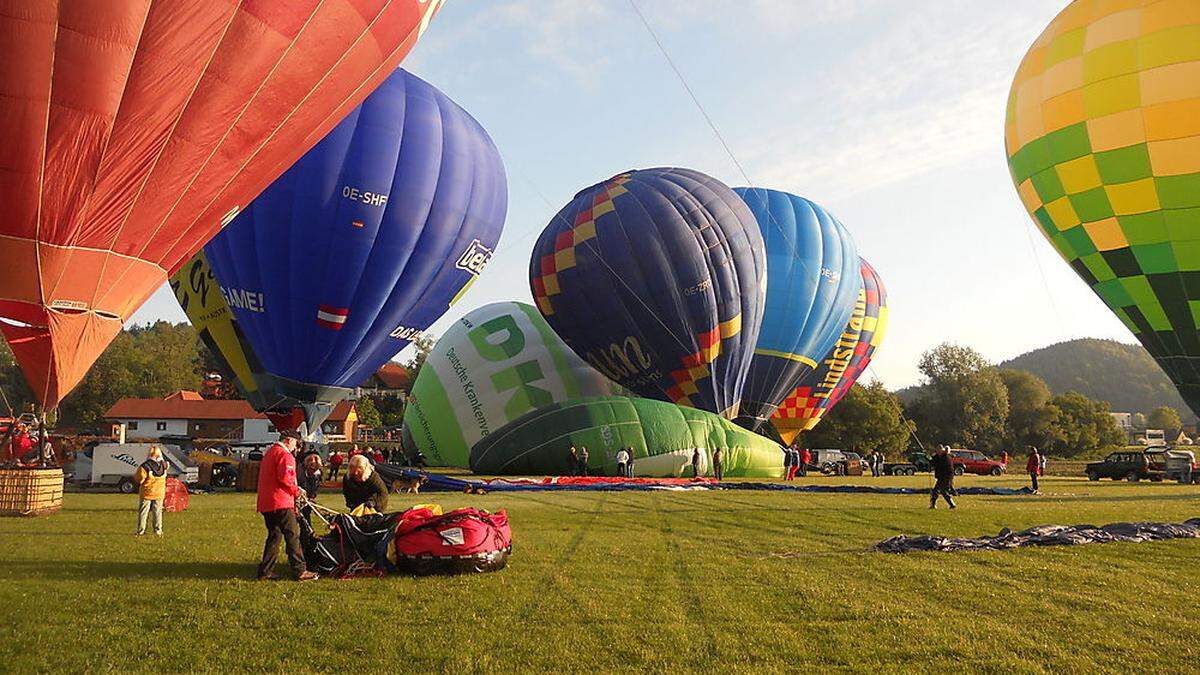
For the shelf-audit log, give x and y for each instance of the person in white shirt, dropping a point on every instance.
(622, 462)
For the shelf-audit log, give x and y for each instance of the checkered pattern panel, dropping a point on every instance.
(1103, 138)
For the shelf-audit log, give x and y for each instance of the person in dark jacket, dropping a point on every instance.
(310, 482)
(718, 462)
(1033, 466)
(363, 486)
(943, 471)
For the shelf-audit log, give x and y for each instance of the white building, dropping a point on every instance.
(1124, 420)
(186, 413)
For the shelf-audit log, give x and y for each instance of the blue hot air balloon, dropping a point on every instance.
(360, 246)
(657, 277)
(813, 281)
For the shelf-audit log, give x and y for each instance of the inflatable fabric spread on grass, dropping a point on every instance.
(495, 364)
(437, 482)
(661, 434)
(1046, 535)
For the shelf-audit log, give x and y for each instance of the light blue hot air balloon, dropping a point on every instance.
(813, 281)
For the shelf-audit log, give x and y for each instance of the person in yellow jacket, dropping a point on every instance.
(151, 476)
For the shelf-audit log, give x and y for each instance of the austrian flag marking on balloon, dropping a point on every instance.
(332, 317)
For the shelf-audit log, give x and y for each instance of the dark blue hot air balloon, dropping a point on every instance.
(813, 281)
(657, 278)
(360, 246)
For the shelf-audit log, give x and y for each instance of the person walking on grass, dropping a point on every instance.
(1043, 460)
(718, 462)
(277, 494)
(1033, 466)
(573, 461)
(804, 458)
(629, 465)
(695, 462)
(943, 472)
(151, 478)
(622, 462)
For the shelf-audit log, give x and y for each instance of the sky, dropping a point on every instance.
(890, 113)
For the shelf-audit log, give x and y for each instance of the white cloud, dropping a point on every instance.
(929, 91)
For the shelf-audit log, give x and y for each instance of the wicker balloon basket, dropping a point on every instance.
(30, 492)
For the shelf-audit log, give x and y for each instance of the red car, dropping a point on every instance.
(970, 461)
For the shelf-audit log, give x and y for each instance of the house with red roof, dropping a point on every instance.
(187, 413)
(392, 379)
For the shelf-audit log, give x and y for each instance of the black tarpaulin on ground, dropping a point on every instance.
(1046, 535)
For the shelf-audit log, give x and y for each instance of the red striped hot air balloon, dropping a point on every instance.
(133, 129)
(841, 367)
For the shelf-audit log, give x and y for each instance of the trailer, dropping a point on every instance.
(917, 461)
(113, 464)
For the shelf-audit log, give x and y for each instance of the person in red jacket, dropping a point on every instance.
(22, 445)
(805, 460)
(277, 492)
(1033, 466)
(335, 464)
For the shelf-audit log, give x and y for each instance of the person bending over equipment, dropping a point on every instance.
(363, 486)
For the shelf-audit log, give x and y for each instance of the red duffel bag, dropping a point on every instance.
(461, 541)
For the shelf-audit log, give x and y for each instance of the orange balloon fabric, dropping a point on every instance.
(133, 129)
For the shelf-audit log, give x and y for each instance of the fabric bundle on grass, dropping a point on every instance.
(1046, 535)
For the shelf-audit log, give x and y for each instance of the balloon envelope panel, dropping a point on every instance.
(133, 130)
(490, 367)
(364, 243)
(661, 434)
(813, 282)
(656, 277)
(840, 369)
(1103, 142)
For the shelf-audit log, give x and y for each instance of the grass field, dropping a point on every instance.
(605, 582)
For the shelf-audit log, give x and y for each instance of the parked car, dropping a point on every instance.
(971, 461)
(1130, 465)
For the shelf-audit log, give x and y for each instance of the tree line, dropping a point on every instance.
(964, 401)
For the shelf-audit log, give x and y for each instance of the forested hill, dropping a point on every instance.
(1124, 375)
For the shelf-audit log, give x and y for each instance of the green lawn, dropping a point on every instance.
(604, 582)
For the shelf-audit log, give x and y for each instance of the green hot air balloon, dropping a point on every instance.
(663, 436)
(490, 367)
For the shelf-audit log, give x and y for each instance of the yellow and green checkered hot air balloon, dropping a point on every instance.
(1103, 140)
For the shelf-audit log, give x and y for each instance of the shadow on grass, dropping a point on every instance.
(86, 571)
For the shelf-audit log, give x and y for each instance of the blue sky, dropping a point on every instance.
(888, 112)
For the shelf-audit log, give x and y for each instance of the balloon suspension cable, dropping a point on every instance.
(711, 124)
(1062, 326)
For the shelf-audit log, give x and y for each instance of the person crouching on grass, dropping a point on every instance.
(277, 493)
(151, 478)
(364, 486)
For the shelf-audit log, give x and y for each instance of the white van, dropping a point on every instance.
(115, 464)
